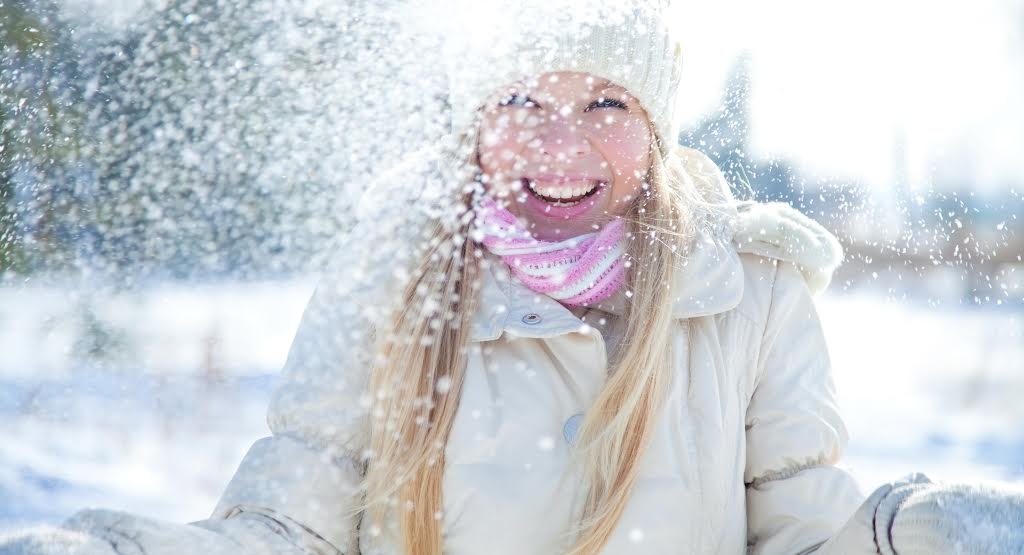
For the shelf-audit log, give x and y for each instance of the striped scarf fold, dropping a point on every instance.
(578, 271)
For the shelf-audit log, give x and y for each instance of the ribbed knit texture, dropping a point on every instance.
(633, 44)
(960, 519)
(579, 271)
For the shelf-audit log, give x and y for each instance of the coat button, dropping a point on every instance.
(532, 319)
(572, 425)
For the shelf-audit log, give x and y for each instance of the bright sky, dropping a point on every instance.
(836, 84)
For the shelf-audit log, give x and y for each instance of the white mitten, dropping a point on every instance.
(53, 541)
(868, 527)
(249, 533)
(914, 516)
(959, 519)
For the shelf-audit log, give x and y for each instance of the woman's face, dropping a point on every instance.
(569, 150)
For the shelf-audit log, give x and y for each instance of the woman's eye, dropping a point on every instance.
(517, 100)
(608, 103)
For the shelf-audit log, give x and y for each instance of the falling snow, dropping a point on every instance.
(175, 175)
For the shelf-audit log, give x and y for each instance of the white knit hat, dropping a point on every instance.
(632, 43)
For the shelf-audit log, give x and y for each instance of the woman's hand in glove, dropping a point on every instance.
(962, 519)
(53, 541)
(914, 516)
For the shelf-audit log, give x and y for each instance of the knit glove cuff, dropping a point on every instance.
(961, 519)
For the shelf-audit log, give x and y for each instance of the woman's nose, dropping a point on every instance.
(562, 138)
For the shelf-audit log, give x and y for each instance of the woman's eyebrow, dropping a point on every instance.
(609, 85)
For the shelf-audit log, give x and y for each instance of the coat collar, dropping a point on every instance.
(711, 281)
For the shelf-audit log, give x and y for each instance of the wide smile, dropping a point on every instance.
(564, 198)
(563, 193)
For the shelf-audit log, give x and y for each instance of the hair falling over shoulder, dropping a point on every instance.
(419, 368)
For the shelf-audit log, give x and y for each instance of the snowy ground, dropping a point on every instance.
(935, 390)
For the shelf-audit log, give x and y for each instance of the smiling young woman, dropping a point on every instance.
(564, 336)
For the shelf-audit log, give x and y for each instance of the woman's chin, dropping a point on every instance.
(547, 231)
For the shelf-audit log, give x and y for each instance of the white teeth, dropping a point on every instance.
(561, 192)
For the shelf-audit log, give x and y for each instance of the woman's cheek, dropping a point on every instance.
(498, 151)
(524, 136)
(635, 145)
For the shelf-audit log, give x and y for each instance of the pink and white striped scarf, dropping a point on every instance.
(578, 271)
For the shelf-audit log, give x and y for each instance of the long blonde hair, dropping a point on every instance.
(417, 375)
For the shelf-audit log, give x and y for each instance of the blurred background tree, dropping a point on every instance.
(39, 136)
(206, 139)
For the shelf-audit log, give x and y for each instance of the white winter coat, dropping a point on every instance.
(744, 456)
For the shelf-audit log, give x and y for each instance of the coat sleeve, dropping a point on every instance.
(797, 496)
(305, 478)
(294, 492)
